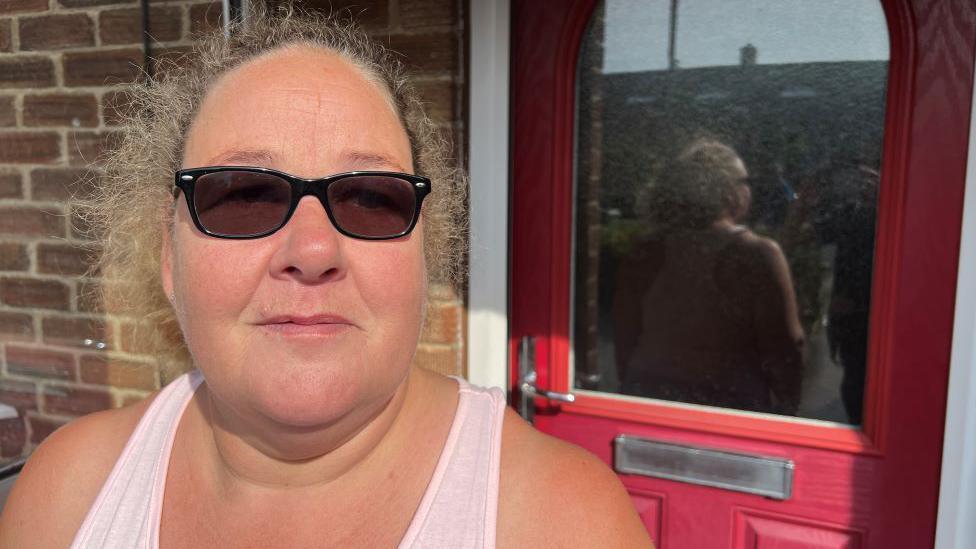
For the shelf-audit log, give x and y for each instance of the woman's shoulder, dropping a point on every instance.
(63, 476)
(745, 238)
(550, 492)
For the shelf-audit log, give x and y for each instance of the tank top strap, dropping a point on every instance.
(460, 507)
(127, 510)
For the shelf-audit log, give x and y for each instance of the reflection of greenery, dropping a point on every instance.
(618, 235)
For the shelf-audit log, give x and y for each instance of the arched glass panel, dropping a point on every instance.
(726, 177)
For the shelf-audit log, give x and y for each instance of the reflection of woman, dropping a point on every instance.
(300, 303)
(704, 308)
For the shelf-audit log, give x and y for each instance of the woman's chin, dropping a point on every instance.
(309, 401)
(319, 399)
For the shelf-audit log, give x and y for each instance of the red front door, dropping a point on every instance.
(735, 242)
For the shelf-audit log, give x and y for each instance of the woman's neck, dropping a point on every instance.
(260, 455)
(726, 222)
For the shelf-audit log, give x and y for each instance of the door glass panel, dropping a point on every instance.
(727, 168)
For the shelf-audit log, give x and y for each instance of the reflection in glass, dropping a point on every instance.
(725, 208)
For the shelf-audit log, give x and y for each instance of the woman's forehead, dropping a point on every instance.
(298, 104)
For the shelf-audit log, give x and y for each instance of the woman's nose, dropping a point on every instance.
(311, 248)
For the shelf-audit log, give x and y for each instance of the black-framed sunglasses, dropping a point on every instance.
(248, 202)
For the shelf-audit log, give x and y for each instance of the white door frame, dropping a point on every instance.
(956, 528)
(488, 162)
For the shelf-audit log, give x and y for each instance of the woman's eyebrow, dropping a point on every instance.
(368, 159)
(244, 157)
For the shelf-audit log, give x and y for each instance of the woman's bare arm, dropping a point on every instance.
(778, 326)
(62, 478)
(554, 494)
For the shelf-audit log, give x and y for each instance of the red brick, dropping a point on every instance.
(41, 427)
(13, 437)
(60, 110)
(8, 116)
(430, 52)
(86, 333)
(13, 257)
(133, 337)
(86, 147)
(6, 35)
(74, 401)
(438, 98)
(26, 72)
(56, 32)
(88, 297)
(428, 13)
(10, 185)
(101, 370)
(29, 147)
(89, 3)
(444, 360)
(102, 68)
(16, 327)
(206, 17)
(116, 107)
(443, 324)
(128, 399)
(33, 293)
(22, 220)
(61, 184)
(64, 259)
(38, 362)
(15, 6)
(368, 13)
(165, 59)
(79, 227)
(19, 394)
(124, 26)
(440, 291)
(90, 294)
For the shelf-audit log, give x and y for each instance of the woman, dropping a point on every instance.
(704, 309)
(300, 305)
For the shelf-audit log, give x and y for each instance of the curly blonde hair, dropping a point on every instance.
(133, 197)
(696, 187)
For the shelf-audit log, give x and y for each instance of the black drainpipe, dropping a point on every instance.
(235, 8)
(147, 60)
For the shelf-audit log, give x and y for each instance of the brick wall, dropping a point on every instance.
(63, 69)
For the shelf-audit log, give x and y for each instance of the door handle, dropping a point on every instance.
(528, 386)
(527, 380)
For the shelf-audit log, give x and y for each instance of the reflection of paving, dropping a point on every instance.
(820, 398)
(821, 381)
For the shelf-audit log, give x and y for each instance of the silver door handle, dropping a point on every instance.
(529, 388)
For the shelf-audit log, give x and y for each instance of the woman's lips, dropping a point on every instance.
(320, 325)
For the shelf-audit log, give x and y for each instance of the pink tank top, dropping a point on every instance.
(458, 509)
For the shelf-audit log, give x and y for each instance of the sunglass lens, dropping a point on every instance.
(373, 206)
(237, 203)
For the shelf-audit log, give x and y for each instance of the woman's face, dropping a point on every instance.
(306, 325)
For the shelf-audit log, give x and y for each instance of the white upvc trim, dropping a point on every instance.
(488, 142)
(956, 528)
